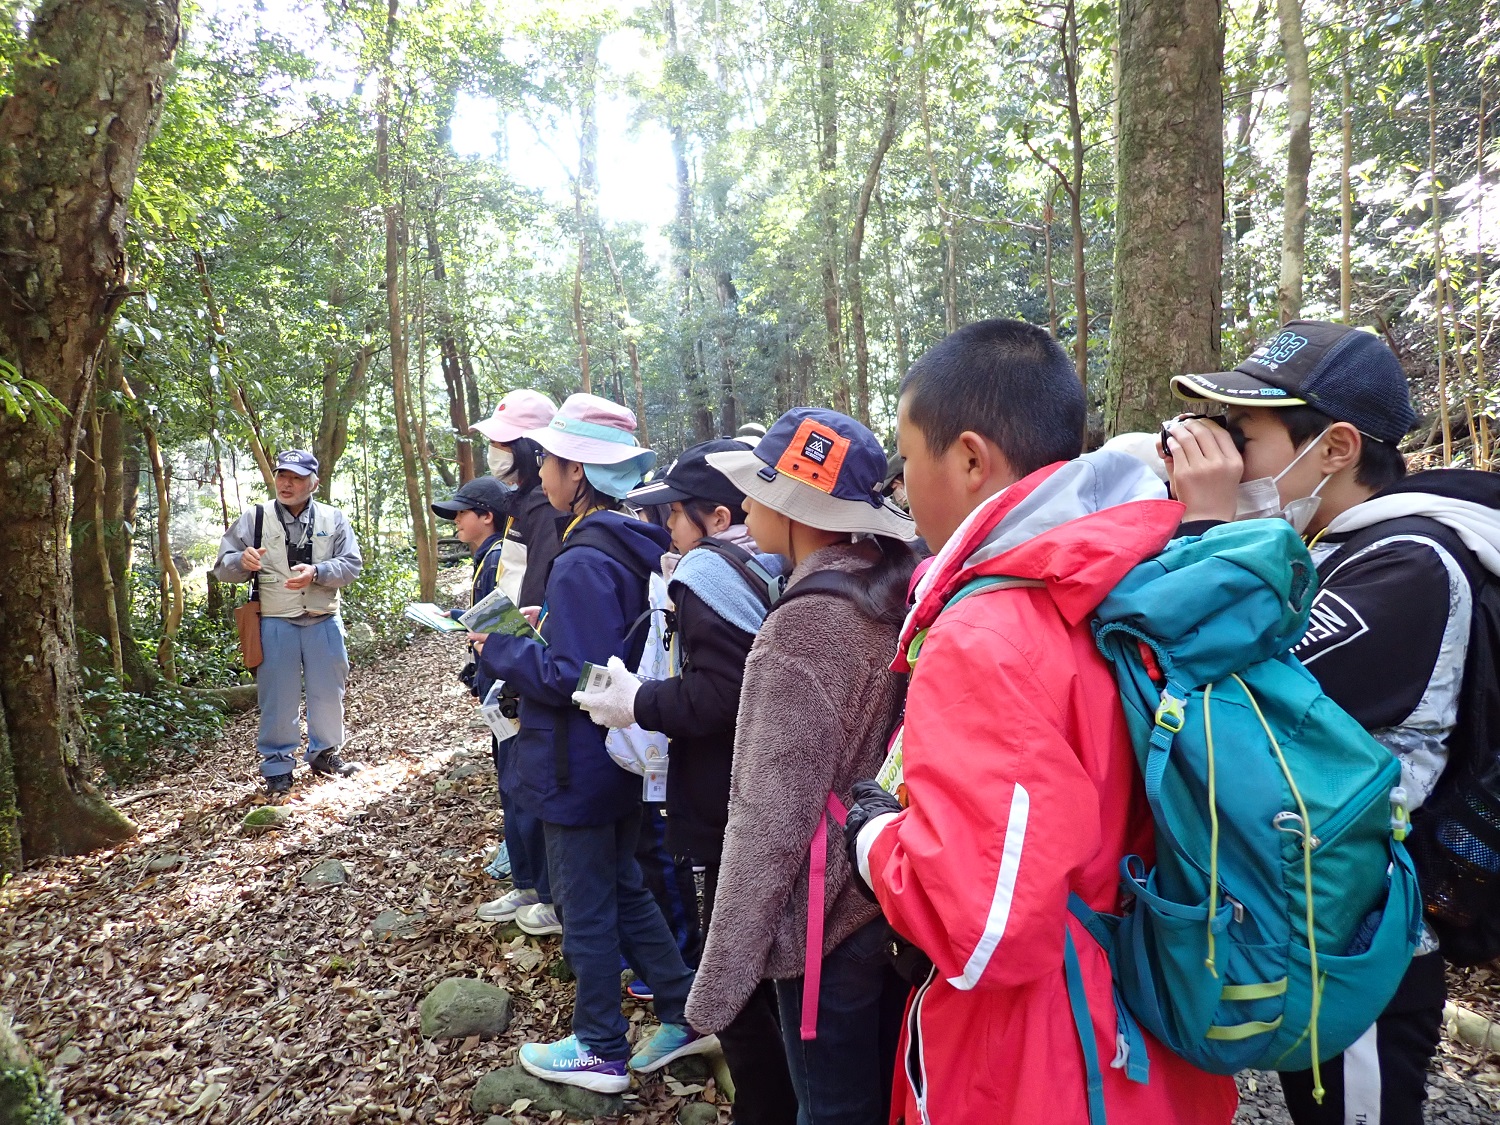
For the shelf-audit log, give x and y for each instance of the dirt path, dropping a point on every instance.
(191, 975)
(223, 983)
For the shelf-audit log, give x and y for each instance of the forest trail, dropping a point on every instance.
(191, 974)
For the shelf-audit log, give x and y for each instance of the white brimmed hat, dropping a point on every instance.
(820, 468)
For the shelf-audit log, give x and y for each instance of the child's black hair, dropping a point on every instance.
(1380, 462)
(880, 593)
(527, 455)
(590, 495)
(1006, 380)
(698, 510)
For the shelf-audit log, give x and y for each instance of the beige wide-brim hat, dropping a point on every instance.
(809, 505)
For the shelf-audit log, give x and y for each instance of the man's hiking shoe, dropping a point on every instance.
(671, 1041)
(539, 919)
(504, 908)
(568, 1061)
(278, 789)
(638, 989)
(329, 764)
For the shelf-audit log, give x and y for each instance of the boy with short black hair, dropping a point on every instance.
(1021, 780)
(1319, 409)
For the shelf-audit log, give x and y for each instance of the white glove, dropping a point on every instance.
(612, 706)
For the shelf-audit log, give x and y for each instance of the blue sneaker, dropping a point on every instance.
(638, 989)
(568, 1061)
(671, 1041)
(499, 867)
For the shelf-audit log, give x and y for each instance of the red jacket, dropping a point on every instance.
(1023, 787)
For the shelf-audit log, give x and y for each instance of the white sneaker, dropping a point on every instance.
(504, 908)
(539, 919)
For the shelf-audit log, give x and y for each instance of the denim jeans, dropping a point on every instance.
(606, 910)
(843, 1077)
(297, 654)
(525, 841)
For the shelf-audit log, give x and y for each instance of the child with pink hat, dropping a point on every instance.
(590, 807)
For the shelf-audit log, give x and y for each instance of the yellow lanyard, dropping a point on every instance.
(578, 519)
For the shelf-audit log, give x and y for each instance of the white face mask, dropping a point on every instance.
(1260, 498)
(502, 463)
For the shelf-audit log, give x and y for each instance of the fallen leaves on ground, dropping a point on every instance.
(219, 988)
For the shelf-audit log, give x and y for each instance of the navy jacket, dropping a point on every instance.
(593, 600)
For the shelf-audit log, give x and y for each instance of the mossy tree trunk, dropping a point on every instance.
(88, 90)
(1170, 206)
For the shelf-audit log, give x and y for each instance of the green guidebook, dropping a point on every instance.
(495, 613)
(425, 613)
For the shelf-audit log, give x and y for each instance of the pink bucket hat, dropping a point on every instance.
(519, 412)
(592, 431)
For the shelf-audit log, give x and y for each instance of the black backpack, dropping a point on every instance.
(1455, 835)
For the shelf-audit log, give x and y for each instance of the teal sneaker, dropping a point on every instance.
(671, 1041)
(571, 1063)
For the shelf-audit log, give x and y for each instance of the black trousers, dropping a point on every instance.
(763, 1092)
(1382, 1078)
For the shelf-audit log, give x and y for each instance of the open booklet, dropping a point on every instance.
(425, 613)
(495, 613)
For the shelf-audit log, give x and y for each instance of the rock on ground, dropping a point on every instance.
(459, 1007)
(391, 924)
(329, 873)
(697, 1113)
(266, 818)
(500, 1089)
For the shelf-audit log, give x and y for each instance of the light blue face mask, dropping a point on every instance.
(617, 480)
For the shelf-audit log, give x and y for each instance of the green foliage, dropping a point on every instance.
(378, 601)
(21, 397)
(132, 734)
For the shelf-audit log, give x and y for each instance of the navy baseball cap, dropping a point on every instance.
(298, 461)
(482, 494)
(1348, 374)
(820, 468)
(691, 477)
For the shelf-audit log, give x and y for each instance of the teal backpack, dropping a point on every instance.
(1282, 910)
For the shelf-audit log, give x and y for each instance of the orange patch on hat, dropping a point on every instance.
(814, 456)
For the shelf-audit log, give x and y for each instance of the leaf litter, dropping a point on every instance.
(219, 988)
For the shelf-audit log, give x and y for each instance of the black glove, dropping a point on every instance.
(870, 801)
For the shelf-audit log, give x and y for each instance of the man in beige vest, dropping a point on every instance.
(299, 553)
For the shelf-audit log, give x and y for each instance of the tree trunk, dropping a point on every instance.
(92, 610)
(410, 469)
(236, 392)
(1439, 265)
(453, 376)
(728, 298)
(1049, 216)
(826, 122)
(339, 401)
(857, 226)
(1298, 160)
(1075, 194)
(682, 263)
(945, 216)
(585, 195)
(1346, 189)
(71, 137)
(1170, 204)
(171, 580)
(627, 330)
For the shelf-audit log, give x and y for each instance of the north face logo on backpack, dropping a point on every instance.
(1281, 347)
(817, 447)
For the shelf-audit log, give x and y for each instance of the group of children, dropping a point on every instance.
(872, 955)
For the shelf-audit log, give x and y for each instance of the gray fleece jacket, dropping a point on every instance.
(816, 710)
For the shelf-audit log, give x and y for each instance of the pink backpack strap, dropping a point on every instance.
(817, 878)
